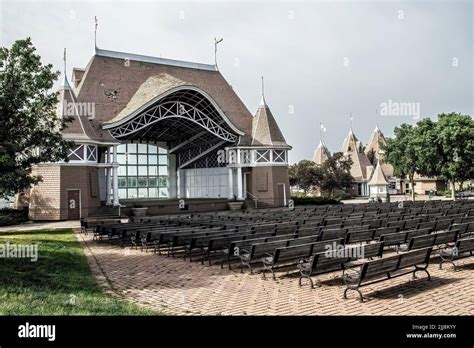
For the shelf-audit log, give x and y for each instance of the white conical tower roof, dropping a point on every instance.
(378, 177)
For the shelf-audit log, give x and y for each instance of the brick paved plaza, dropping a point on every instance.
(189, 288)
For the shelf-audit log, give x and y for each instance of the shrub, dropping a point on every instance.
(344, 196)
(313, 200)
(10, 216)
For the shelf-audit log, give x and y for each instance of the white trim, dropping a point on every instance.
(113, 124)
(154, 60)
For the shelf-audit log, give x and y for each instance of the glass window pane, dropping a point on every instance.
(122, 193)
(153, 192)
(142, 148)
(162, 170)
(162, 150)
(121, 159)
(122, 181)
(163, 181)
(142, 170)
(163, 192)
(152, 159)
(131, 159)
(132, 193)
(132, 170)
(120, 149)
(152, 149)
(152, 182)
(132, 182)
(163, 159)
(142, 193)
(122, 170)
(142, 159)
(132, 148)
(152, 171)
(142, 181)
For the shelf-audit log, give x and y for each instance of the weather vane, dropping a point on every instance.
(95, 31)
(216, 42)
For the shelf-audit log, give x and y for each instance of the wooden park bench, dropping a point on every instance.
(323, 262)
(463, 248)
(386, 268)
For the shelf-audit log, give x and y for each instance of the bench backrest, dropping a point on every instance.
(359, 236)
(292, 252)
(393, 263)
(328, 234)
(465, 245)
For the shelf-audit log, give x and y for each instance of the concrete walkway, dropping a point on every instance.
(28, 226)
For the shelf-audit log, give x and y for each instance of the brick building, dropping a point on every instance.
(156, 130)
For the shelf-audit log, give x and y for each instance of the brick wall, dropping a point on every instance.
(264, 184)
(45, 197)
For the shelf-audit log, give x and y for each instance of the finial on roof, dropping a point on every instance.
(95, 32)
(263, 102)
(66, 83)
(216, 42)
(322, 129)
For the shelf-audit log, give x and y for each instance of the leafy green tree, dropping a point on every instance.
(302, 175)
(443, 149)
(401, 152)
(334, 174)
(448, 149)
(30, 131)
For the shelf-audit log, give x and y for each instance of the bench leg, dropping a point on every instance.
(423, 270)
(310, 280)
(448, 261)
(242, 264)
(361, 297)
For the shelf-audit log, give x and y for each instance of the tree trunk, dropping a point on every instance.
(412, 182)
(453, 191)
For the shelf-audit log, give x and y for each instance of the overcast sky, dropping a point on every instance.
(321, 60)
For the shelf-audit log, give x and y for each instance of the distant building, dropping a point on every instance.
(365, 162)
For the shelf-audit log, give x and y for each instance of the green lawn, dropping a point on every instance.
(60, 282)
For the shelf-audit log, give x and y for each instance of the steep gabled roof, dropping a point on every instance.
(265, 130)
(351, 143)
(321, 154)
(112, 79)
(376, 140)
(359, 166)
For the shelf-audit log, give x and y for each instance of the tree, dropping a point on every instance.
(436, 149)
(453, 153)
(333, 174)
(30, 131)
(401, 152)
(302, 175)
